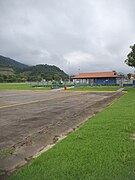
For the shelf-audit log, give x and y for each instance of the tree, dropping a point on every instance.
(129, 76)
(130, 61)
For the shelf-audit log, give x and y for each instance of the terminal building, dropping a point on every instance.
(98, 78)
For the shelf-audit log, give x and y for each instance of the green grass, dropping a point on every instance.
(102, 149)
(95, 88)
(20, 86)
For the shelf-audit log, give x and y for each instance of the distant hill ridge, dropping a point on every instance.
(7, 62)
(25, 72)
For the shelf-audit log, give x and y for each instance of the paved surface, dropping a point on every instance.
(30, 120)
(120, 90)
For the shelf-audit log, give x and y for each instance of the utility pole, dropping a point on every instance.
(79, 70)
(69, 70)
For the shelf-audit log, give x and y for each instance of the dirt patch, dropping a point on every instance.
(133, 137)
(5, 152)
(30, 128)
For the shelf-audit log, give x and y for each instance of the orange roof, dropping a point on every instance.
(133, 75)
(96, 75)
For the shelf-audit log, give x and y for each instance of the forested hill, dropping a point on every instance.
(13, 71)
(10, 63)
(44, 71)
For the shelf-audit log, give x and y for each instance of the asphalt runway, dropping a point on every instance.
(31, 120)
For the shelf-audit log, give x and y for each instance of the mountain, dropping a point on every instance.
(10, 63)
(13, 71)
(44, 71)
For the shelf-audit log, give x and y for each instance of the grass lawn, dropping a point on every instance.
(95, 88)
(19, 86)
(102, 149)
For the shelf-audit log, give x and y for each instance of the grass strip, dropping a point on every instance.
(95, 88)
(102, 149)
(20, 86)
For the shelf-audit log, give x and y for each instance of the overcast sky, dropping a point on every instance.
(90, 35)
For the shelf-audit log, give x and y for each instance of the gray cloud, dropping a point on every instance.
(80, 34)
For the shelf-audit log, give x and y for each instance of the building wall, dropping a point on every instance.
(99, 81)
(107, 81)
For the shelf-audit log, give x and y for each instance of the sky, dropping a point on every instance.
(75, 35)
